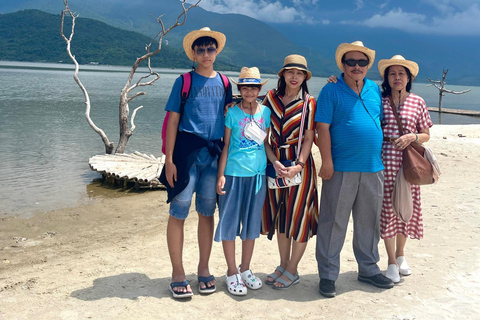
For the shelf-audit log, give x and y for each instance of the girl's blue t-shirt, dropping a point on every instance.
(246, 158)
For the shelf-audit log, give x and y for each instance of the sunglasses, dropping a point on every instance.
(201, 51)
(353, 62)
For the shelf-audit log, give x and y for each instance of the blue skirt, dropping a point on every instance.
(240, 209)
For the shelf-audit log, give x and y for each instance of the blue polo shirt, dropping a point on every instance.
(355, 128)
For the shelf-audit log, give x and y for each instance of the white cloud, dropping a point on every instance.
(263, 10)
(359, 4)
(465, 22)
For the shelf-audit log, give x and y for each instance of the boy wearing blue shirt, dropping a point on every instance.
(193, 144)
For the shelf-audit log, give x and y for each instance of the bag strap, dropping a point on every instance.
(302, 123)
(186, 86)
(395, 113)
(225, 81)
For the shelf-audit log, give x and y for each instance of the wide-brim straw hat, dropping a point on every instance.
(354, 46)
(190, 38)
(249, 76)
(295, 61)
(398, 60)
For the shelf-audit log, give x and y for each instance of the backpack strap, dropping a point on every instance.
(225, 81)
(186, 86)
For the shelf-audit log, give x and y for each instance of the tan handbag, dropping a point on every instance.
(416, 168)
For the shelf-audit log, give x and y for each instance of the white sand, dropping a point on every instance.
(109, 260)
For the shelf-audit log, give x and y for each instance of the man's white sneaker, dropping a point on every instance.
(403, 267)
(392, 273)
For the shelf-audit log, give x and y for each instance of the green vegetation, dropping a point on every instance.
(34, 36)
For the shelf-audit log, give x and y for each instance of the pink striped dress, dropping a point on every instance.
(415, 117)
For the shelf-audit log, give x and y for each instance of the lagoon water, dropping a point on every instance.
(45, 141)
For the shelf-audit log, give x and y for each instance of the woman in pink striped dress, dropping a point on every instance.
(398, 75)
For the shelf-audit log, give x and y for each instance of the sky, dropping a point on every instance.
(448, 17)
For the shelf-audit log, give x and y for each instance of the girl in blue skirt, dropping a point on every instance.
(241, 181)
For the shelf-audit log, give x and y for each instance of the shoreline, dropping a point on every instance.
(109, 260)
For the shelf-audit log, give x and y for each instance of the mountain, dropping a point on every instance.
(432, 53)
(249, 42)
(33, 35)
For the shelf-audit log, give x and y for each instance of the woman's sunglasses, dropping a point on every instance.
(353, 62)
(201, 51)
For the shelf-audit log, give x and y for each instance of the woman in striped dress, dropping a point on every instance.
(398, 75)
(293, 211)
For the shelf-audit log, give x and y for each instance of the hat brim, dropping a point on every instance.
(194, 35)
(412, 66)
(348, 47)
(248, 83)
(309, 74)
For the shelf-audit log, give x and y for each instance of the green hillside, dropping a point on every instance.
(34, 36)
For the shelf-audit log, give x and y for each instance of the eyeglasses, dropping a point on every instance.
(353, 62)
(201, 51)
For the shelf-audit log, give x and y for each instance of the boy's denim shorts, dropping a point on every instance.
(203, 181)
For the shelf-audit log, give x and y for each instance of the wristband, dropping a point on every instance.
(416, 137)
(300, 163)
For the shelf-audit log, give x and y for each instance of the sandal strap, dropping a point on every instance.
(206, 279)
(290, 276)
(179, 284)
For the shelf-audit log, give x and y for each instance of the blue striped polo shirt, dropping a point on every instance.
(355, 128)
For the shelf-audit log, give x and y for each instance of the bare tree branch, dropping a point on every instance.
(125, 133)
(133, 117)
(441, 87)
(124, 111)
(106, 141)
(456, 92)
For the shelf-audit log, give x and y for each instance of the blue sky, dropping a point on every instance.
(448, 17)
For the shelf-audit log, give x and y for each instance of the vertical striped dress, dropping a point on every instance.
(415, 117)
(294, 210)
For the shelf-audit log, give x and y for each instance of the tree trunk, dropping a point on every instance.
(125, 132)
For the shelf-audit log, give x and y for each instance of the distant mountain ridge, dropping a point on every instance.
(254, 43)
(33, 35)
(249, 42)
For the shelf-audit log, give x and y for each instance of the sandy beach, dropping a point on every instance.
(109, 259)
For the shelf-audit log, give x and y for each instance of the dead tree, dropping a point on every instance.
(126, 95)
(440, 85)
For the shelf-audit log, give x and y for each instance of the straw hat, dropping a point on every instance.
(354, 46)
(398, 60)
(295, 61)
(249, 76)
(204, 32)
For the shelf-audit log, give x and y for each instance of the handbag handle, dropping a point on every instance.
(302, 123)
(395, 113)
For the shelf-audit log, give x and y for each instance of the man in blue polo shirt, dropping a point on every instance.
(350, 141)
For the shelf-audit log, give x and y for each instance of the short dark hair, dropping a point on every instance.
(282, 85)
(252, 85)
(204, 42)
(387, 90)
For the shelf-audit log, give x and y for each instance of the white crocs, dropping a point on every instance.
(235, 285)
(403, 266)
(250, 280)
(392, 273)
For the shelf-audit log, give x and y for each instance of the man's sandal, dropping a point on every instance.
(178, 294)
(293, 278)
(274, 275)
(206, 280)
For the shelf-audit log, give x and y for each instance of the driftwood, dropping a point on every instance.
(126, 95)
(440, 85)
(137, 167)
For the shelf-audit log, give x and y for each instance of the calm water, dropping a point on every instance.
(46, 142)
